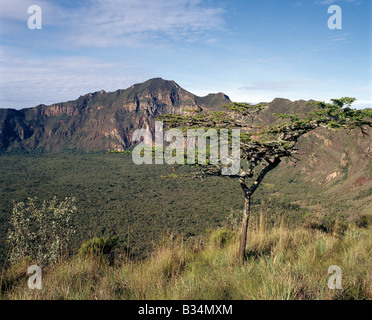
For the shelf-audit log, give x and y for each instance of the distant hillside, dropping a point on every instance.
(336, 163)
(339, 161)
(98, 121)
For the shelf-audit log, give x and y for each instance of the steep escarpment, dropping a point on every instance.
(100, 120)
(340, 162)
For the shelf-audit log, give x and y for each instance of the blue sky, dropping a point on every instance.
(252, 50)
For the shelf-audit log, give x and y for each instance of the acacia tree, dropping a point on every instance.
(263, 148)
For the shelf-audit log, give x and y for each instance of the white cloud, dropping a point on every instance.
(18, 10)
(338, 39)
(115, 22)
(102, 23)
(29, 82)
(272, 86)
(367, 89)
(362, 104)
(330, 2)
(25, 81)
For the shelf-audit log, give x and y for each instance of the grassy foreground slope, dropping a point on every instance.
(283, 263)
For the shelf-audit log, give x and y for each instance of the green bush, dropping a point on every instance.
(364, 221)
(41, 231)
(221, 237)
(98, 246)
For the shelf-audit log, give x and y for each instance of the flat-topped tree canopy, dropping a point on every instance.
(268, 145)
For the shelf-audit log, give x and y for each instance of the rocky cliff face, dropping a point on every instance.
(338, 162)
(100, 120)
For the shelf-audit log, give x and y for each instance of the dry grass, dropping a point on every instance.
(282, 263)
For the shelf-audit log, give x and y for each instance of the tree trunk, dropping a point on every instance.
(243, 236)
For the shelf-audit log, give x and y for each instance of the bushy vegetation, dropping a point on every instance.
(283, 262)
(220, 237)
(117, 198)
(41, 231)
(98, 246)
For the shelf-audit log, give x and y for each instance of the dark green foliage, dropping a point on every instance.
(220, 237)
(41, 231)
(364, 194)
(137, 204)
(364, 221)
(98, 246)
(115, 197)
(369, 169)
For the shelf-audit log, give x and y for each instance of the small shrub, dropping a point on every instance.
(318, 226)
(364, 221)
(43, 231)
(16, 273)
(98, 246)
(221, 237)
(339, 228)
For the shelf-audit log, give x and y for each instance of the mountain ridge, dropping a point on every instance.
(105, 121)
(339, 162)
(100, 120)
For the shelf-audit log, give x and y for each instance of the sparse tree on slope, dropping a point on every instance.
(263, 148)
